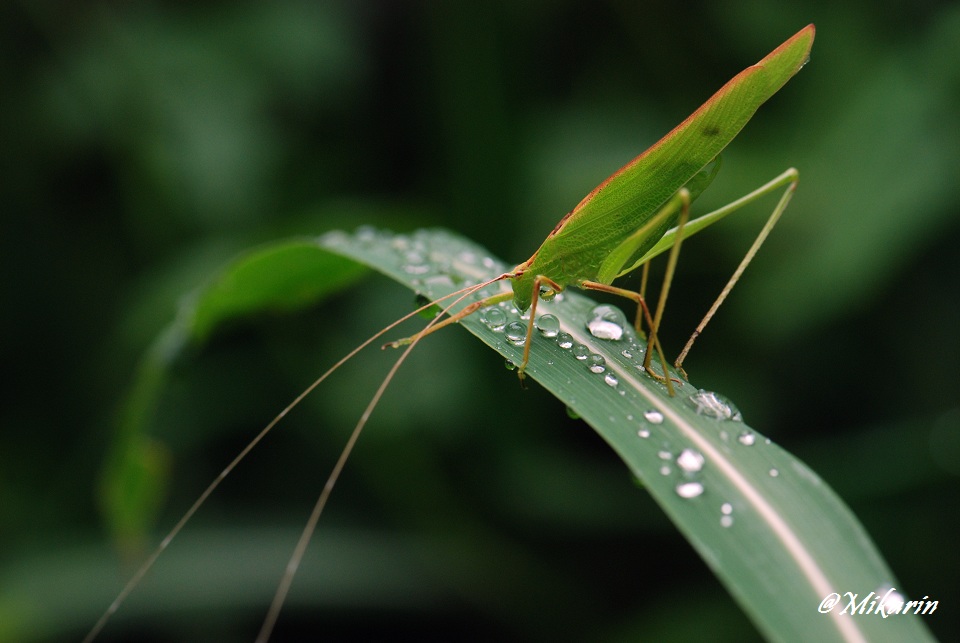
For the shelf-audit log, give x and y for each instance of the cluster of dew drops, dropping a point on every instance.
(609, 323)
(605, 322)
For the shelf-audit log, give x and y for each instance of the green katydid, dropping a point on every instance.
(636, 214)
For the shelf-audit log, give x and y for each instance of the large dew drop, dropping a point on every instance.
(494, 318)
(690, 461)
(653, 416)
(606, 322)
(596, 363)
(548, 325)
(516, 333)
(714, 405)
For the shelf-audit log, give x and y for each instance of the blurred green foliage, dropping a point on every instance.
(145, 144)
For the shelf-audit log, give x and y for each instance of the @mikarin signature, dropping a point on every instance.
(885, 602)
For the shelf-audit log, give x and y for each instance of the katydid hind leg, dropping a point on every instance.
(789, 179)
(149, 562)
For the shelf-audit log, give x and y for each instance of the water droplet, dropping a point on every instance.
(548, 294)
(573, 414)
(548, 325)
(690, 461)
(565, 340)
(581, 352)
(644, 433)
(516, 333)
(689, 489)
(774, 473)
(596, 363)
(468, 257)
(415, 264)
(664, 470)
(494, 318)
(626, 353)
(664, 455)
(510, 365)
(714, 405)
(335, 238)
(747, 438)
(366, 234)
(653, 417)
(611, 379)
(606, 322)
(726, 508)
(440, 280)
(726, 521)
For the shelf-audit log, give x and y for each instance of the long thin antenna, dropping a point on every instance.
(149, 562)
(295, 559)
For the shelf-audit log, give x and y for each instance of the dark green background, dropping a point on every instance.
(145, 144)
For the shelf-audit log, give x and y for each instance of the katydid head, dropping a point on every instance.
(522, 281)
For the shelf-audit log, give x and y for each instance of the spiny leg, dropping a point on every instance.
(790, 178)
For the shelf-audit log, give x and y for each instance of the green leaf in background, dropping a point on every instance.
(277, 278)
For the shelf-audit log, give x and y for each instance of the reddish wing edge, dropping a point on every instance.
(807, 32)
